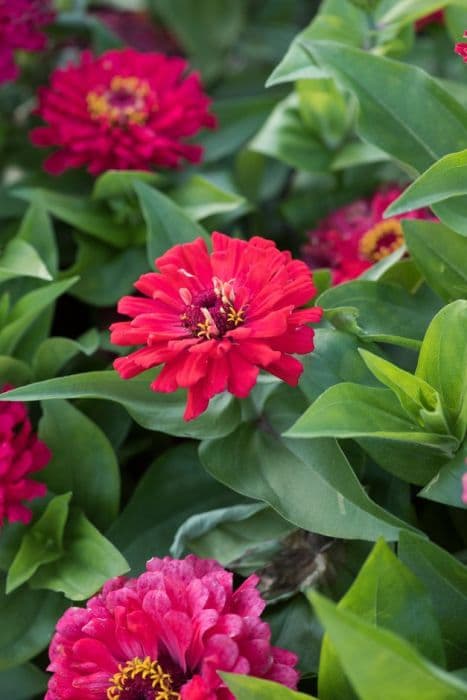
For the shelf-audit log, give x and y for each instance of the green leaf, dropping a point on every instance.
(172, 489)
(167, 224)
(446, 486)
(439, 254)
(417, 398)
(89, 560)
(83, 461)
(357, 153)
(445, 579)
(385, 594)
(87, 216)
(119, 183)
(152, 410)
(42, 543)
(54, 353)
(13, 371)
(23, 682)
(324, 109)
(377, 311)
(251, 688)
(381, 664)
(396, 125)
(25, 312)
(407, 11)
(20, 259)
(443, 363)
(350, 410)
(200, 198)
(37, 230)
(286, 137)
(315, 489)
(28, 621)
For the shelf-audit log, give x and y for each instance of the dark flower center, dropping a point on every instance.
(381, 240)
(142, 679)
(125, 101)
(211, 313)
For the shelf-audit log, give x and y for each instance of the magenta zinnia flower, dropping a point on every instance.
(436, 17)
(164, 636)
(21, 23)
(122, 110)
(21, 453)
(461, 48)
(464, 486)
(356, 236)
(216, 319)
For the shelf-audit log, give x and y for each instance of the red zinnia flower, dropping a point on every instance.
(461, 48)
(436, 17)
(164, 636)
(21, 22)
(122, 110)
(21, 453)
(215, 320)
(354, 237)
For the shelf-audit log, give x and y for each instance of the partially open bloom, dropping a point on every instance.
(216, 320)
(21, 24)
(164, 636)
(436, 17)
(122, 110)
(356, 236)
(461, 48)
(21, 453)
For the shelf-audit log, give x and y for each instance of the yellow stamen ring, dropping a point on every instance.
(370, 244)
(148, 670)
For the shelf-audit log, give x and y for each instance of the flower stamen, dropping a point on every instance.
(381, 240)
(126, 101)
(148, 671)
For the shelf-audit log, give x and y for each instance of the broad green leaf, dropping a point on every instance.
(323, 109)
(395, 125)
(13, 371)
(337, 21)
(380, 664)
(440, 255)
(25, 312)
(384, 594)
(445, 578)
(172, 489)
(167, 224)
(251, 688)
(87, 216)
(152, 410)
(377, 311)
(37, 230)
(285, 136)
(357, 153)
(55, 352)
(23, 682)
(88, 561)
(41, 544)
(200, 198)
(315, 490)
(350, 410)
(417, 398)
(20, 259)
(446, 486)
(119, 183)
(407, 11)
(83, 461)
(28, 621)
(443, 363)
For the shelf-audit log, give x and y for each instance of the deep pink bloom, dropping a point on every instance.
(137, 29)
(21, 23)
(436, 17)
(171, 629)
(354, 237)
(461, 48)
(464, 486)
(122, 110)
(216, 320)
(21, 453)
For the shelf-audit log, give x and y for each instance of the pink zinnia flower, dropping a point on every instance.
(216, 320)
(464, 486)
(137, 29)
(461, 48)
(354, 237)
(122, 110)
(21, 22)
(164, 636)
(21, 453)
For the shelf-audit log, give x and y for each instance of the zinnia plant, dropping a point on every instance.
(122, 110)
(164, 636)
(214, 320)
(21, 28)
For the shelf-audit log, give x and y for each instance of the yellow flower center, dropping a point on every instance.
(125, 101)
(141, 678)
(381, 240)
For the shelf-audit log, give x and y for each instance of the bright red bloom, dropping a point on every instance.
(21, 453)
(21, 22)
(354, 237)
(461, 48)
(436, 17)
(216, 320)
(122, 110)
(164, 636)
